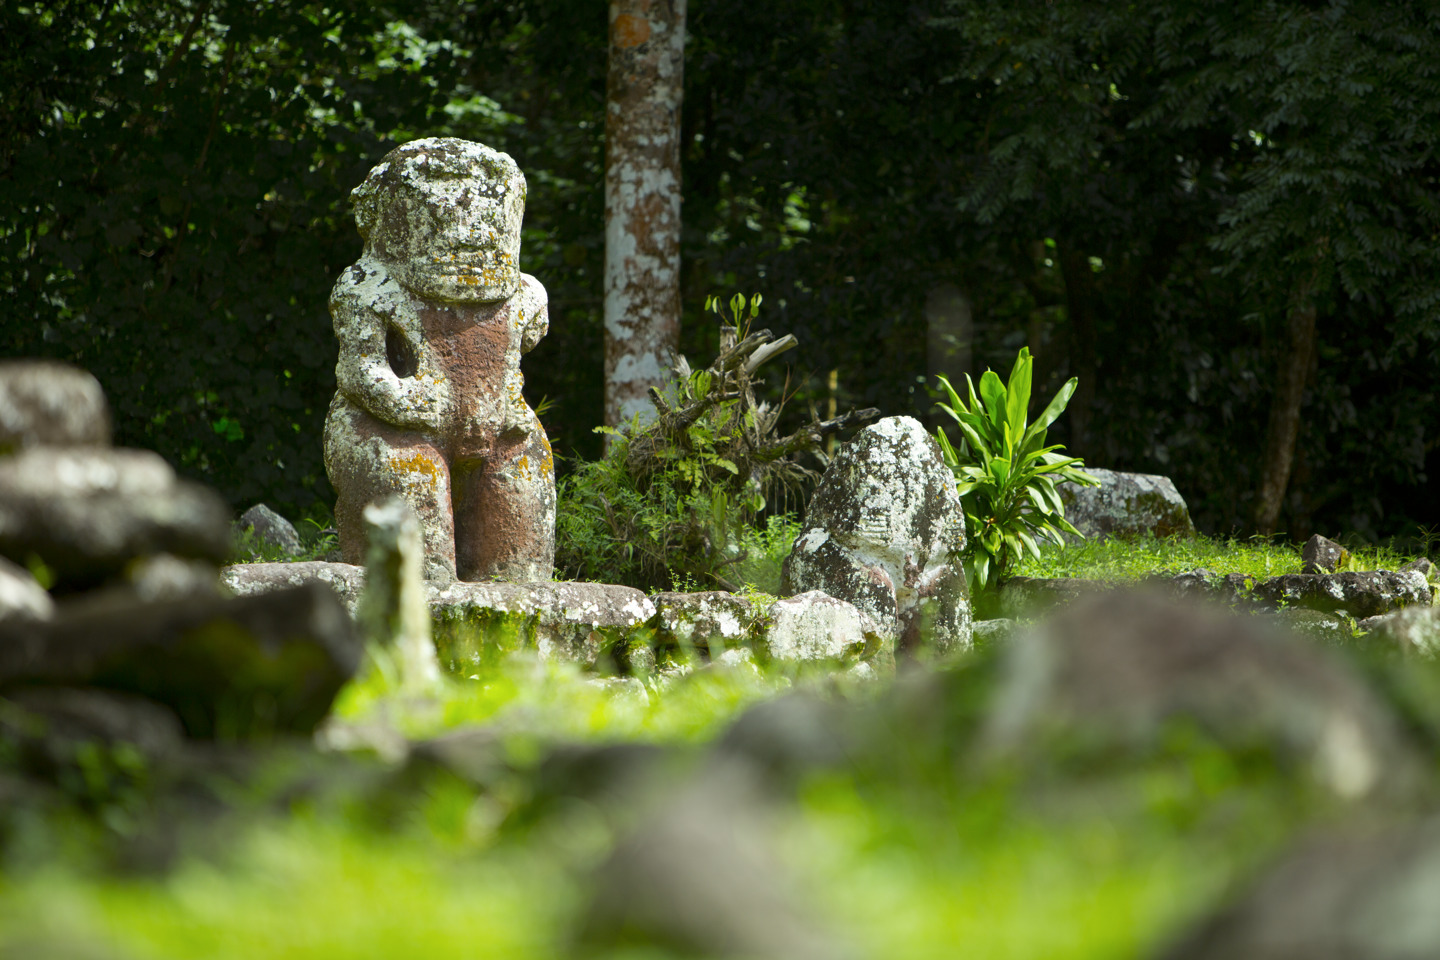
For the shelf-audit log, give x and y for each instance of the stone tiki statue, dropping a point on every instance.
(432, 321)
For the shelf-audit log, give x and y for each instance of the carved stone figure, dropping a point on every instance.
(432, 321)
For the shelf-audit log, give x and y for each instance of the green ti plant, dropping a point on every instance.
(1004, 472)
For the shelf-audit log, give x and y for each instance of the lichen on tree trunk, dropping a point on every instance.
(642, 201)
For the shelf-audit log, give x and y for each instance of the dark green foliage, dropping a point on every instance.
(1085, 173)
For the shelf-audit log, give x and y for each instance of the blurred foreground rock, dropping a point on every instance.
(1118, 670)
(1370, 896)
(227, 667)
(48, 404)
(700, 879)
(87, 513)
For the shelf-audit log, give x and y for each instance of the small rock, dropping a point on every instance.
(1126, 505)
(47, 404)
(1359, 894)
(1423, 567)
(713, 621)
(1322, 556)
(1414, 631)
(227, 667)
(1322, 627)
(270, 529)
(881, 531)
(86, 513)
(817, 627)
(21, 597)
(1114, 671)
(993, 631)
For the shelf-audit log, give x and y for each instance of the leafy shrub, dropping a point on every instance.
(1004, 473)
(675, 502)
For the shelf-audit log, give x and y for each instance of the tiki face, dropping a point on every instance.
(444, 214)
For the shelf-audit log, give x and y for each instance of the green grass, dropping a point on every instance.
(1132, 559)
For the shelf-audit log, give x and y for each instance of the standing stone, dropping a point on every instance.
(1321, 555)
(47, 404)
(393, 611)
(881, 532)
(432, 321)
(268, 527)
(1126, 505)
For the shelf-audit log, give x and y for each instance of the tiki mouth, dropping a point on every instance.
(471, 263)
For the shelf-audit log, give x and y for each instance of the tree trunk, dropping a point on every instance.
(642, 201)
(1080, 311)
(1284, 427)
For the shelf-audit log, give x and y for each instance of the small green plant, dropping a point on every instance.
(1004, 472)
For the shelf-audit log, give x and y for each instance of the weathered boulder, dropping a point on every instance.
(816, 627)
(713, 621)
(227, 667)
(432, 321)
(346, 580)
(1113, 673)
(1361, 893)
(477, 623)
(48, 404)
(87, 513)
(1355, 594)
(21, 597)
(270, 529)
(1322, 555)
(1126, 505)
(881, 531)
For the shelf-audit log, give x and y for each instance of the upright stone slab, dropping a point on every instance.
(880, 533)
(432, 320)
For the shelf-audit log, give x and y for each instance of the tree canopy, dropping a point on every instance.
(1142, 194)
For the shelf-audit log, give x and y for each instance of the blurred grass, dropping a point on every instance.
(905, 855)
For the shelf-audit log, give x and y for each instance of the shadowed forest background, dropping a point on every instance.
(1154, 199)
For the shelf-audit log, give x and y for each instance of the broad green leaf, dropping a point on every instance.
(993, 392)
(1056, 406)
(1017, 399)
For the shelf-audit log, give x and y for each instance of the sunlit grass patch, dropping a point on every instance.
(1134, 558)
